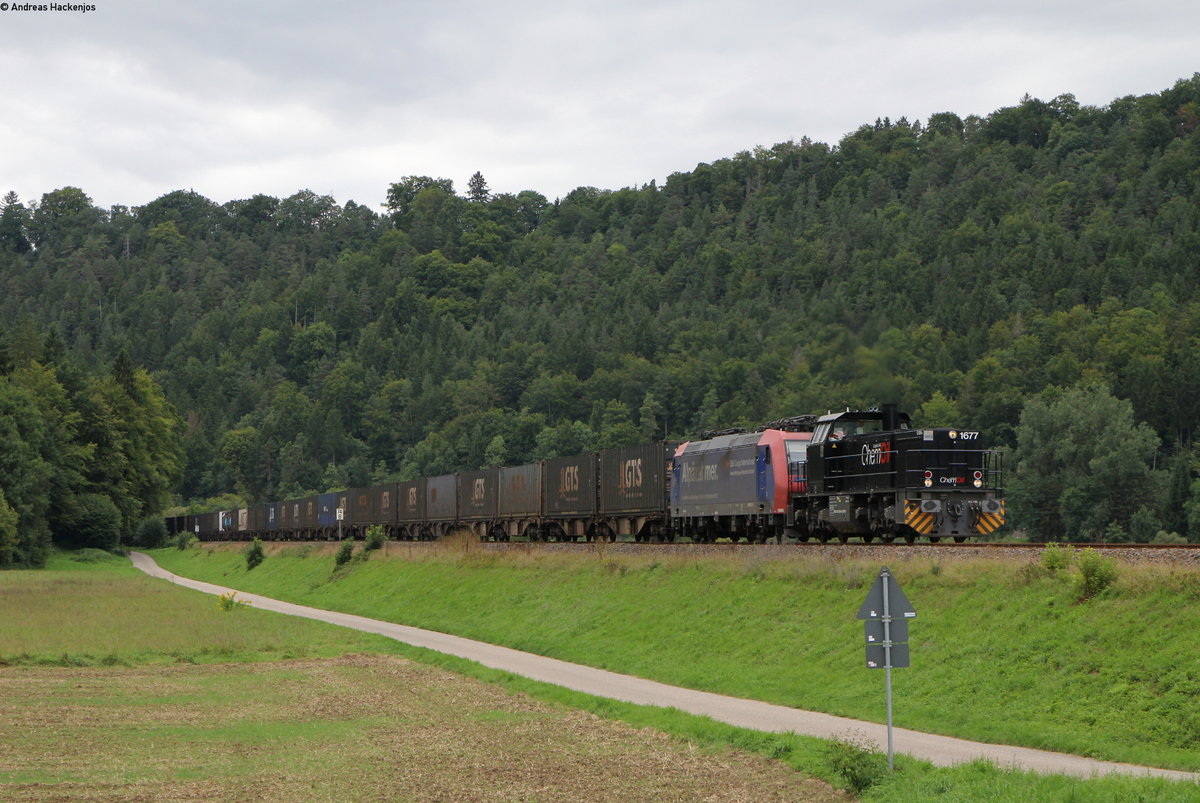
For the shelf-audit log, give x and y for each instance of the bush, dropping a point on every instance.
(184, 540)
(151, 533)
(344, 553)
(254, 554)
(375, 537)
(856, 762)
(1056, 558)
(1164, 537)
(230, 602)
(93, 521)
(1096, 573)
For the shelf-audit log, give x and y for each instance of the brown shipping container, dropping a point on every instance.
(520, 491)
(569, 486)
(209, 525)
(634, 479)
(411, 501)
(383, 503)
(477, 494)
(361, 511)
(308, 512)
(441, 498)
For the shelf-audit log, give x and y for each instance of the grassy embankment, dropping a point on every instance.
(114, 686)
(1002, 651)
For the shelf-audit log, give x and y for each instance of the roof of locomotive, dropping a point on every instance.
(865, 415)
(721, 442)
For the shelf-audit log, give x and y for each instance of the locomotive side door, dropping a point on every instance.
(766, 479)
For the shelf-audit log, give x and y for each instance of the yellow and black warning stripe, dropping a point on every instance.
(917, 519)
(988, 523)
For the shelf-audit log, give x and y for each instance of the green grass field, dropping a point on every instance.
(1001, 651)
(122, 686)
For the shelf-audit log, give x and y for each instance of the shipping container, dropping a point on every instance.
(209, 526)
(327, 510)
(410, 502)
(288, 514)
(569, 486)
(441, 498)
(633, 480)
(362, 511)
(307, 518)
(383, 504)
(270, 515)
(477, 494)
(520, 491)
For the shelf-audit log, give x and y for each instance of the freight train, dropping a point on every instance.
(854, 474)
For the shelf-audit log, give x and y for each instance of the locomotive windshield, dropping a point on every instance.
(849, 424)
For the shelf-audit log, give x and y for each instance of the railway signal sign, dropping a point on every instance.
(886, 599)
(885, 614)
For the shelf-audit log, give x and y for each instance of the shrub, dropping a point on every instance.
(856, 762)
(151, 533)
(1096, 573)
(1056, 558)
(184, 540)
(254, 554)
(93, 521)
(375, 537)
(230, 602)
(344, 553)
(1164, 537)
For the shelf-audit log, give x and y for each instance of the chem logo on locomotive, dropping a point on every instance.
(878, 454)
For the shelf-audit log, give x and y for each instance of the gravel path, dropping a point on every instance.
(941, 750)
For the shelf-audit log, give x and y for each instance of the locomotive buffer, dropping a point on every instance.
(885, 615)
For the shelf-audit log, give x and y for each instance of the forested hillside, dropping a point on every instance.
(1040, 260)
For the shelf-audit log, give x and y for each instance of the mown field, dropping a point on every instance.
(114, 686)
(1003, 651)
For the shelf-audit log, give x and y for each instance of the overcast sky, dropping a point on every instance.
(136, 99)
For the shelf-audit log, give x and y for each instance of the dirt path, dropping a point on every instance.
(941, 750)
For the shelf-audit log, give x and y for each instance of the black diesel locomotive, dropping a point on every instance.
(864, 474)
(871, 475)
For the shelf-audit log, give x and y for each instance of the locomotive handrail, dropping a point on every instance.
(913, 463)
